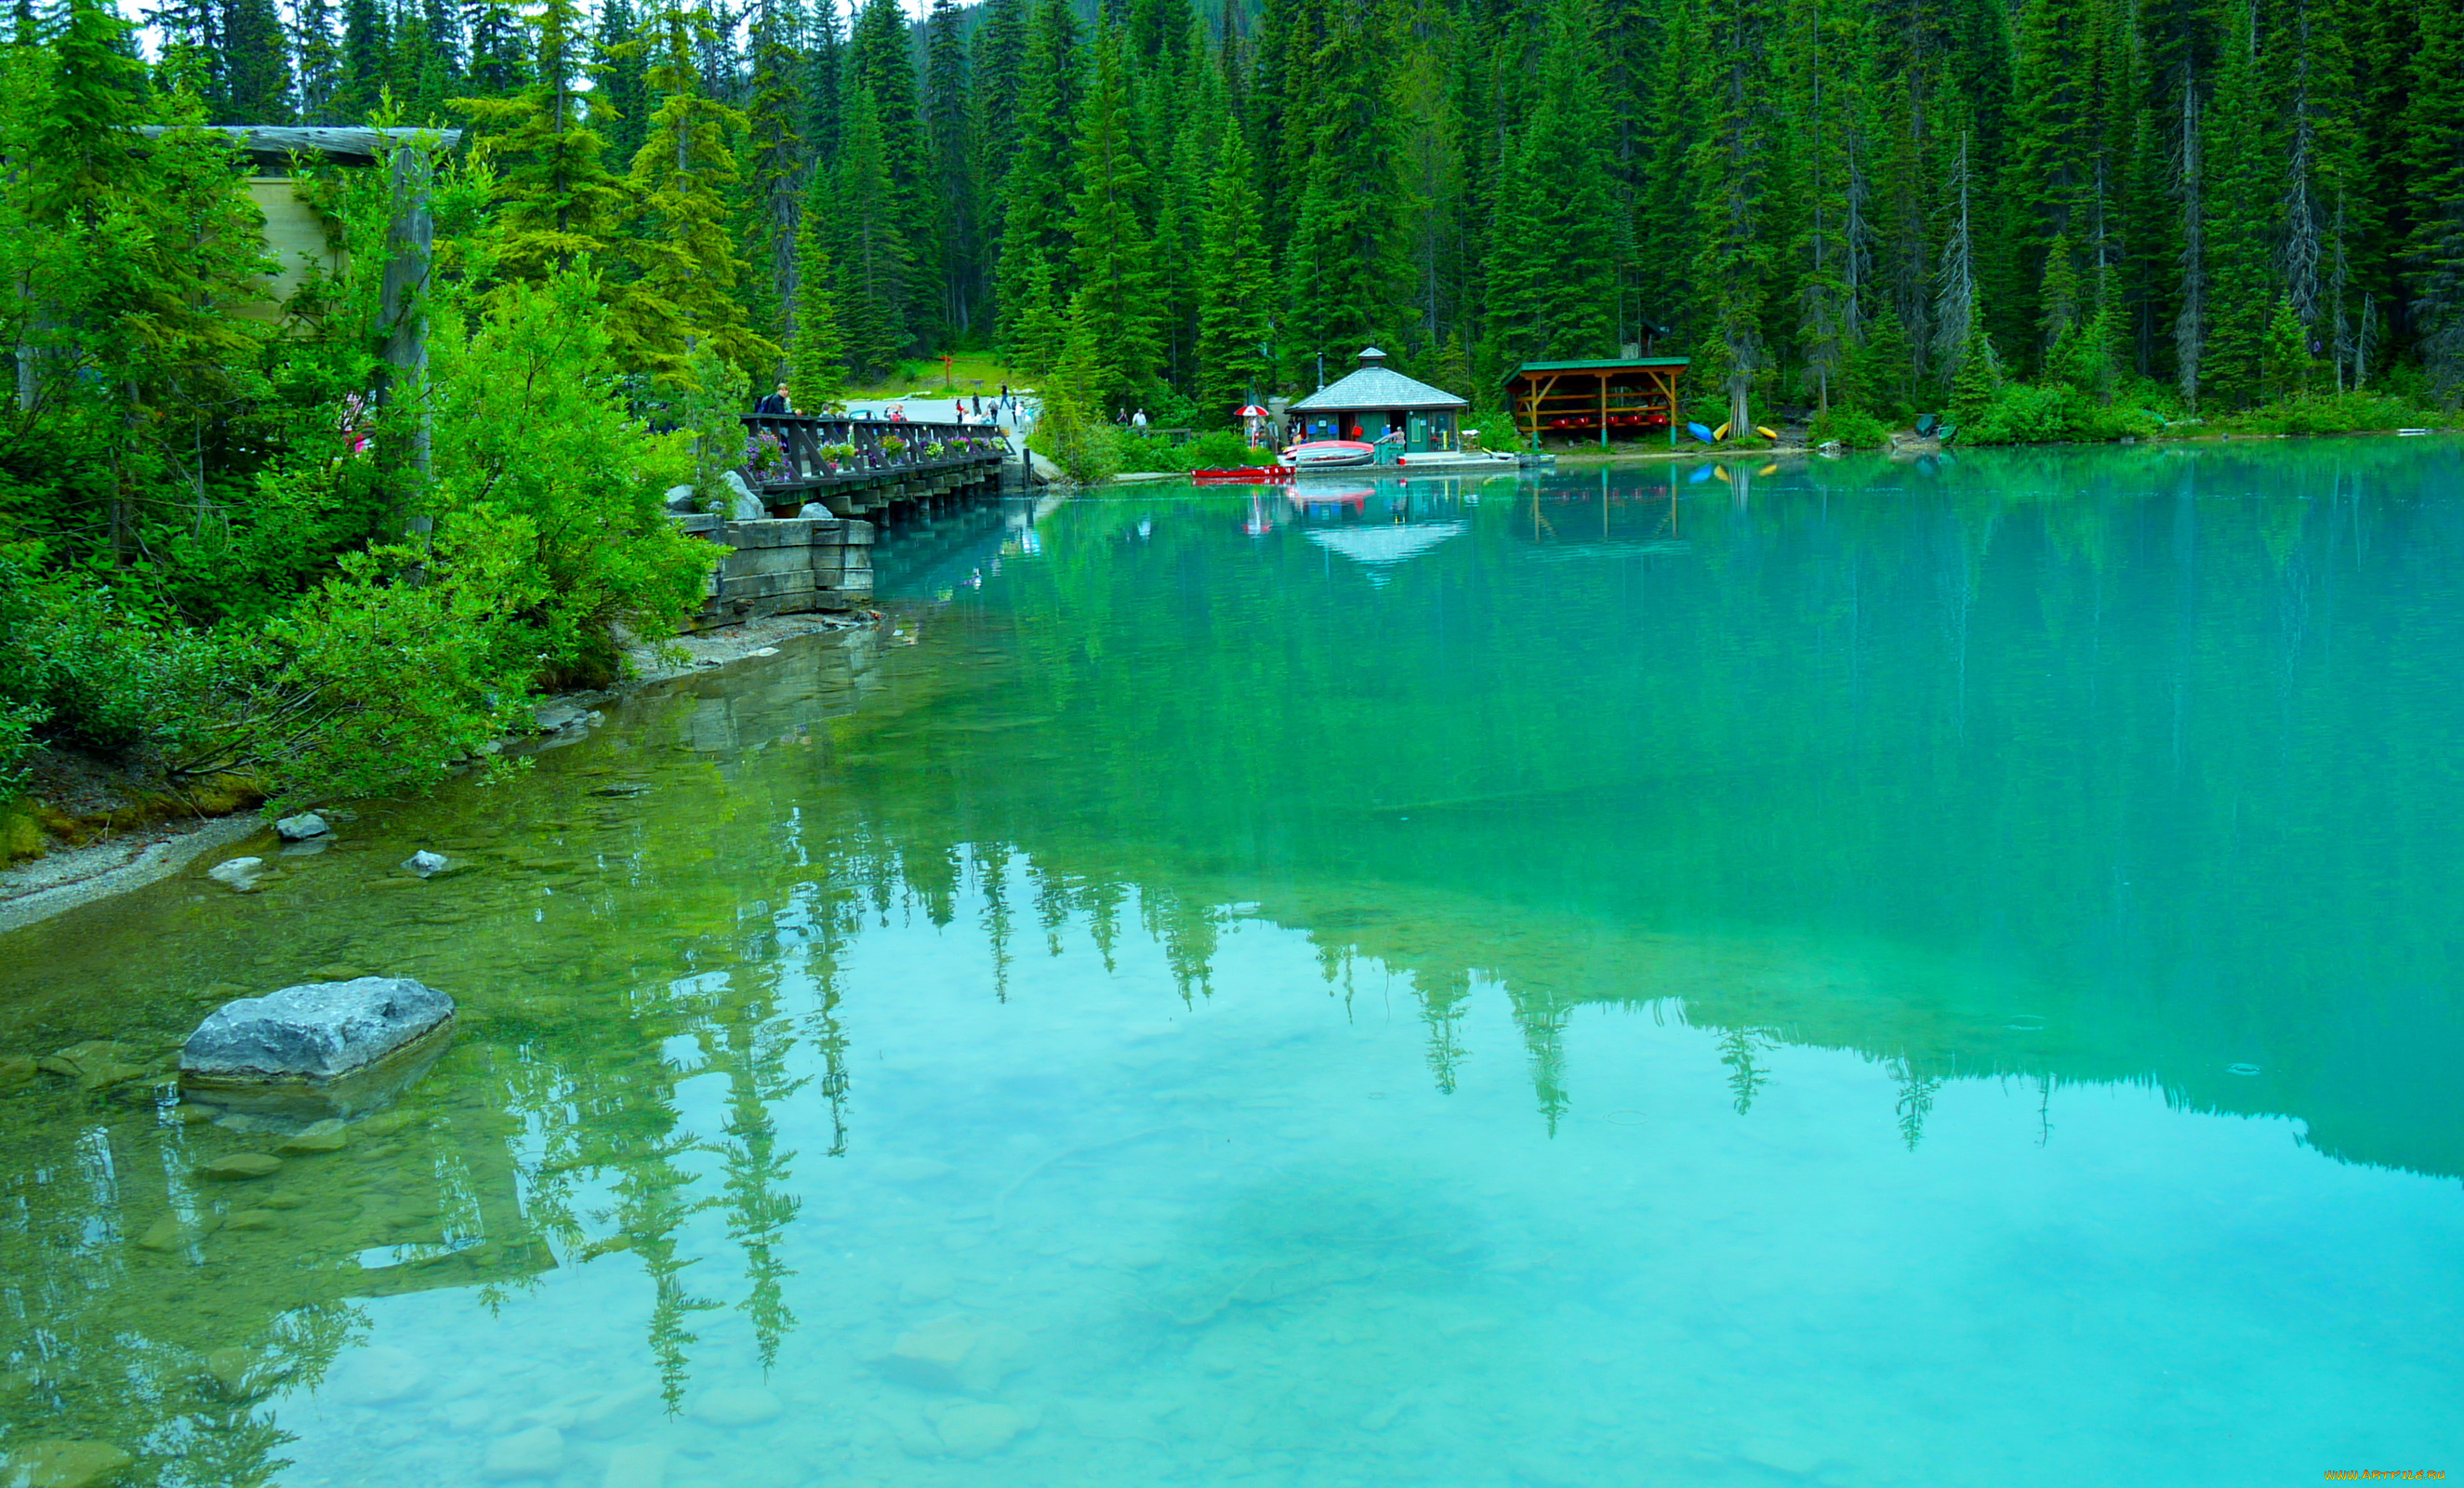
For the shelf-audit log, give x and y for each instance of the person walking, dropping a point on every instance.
(776, 403)
(1138, 420)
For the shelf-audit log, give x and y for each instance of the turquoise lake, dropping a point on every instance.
(1845, 973)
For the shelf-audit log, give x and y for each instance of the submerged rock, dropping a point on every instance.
(300, 828)
(737, 1405)
(240, 873)
(424, 864)
(316, 1030)
(63, 1464)
(242, 1166)
(325, 1136)
(537, 1453)
(980, 1431)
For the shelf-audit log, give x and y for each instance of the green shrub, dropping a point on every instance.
(1852, 427)
(2329, 413)
(79, 666)
(2047, 412)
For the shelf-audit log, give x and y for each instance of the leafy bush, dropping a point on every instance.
(1084, 452)
(2045, 413)
(1852, 427)
(79, 666)
(2330, 413)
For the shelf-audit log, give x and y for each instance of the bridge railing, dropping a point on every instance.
(784, 449)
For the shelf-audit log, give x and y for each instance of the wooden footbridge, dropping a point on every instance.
(856, 467)
(858, 472)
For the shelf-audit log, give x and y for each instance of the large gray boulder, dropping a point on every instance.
(317, 1030)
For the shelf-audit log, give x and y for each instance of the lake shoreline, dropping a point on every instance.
(67, 877)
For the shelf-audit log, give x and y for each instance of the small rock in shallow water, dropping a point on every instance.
(64, 1464)
(927, 1286)
(240, 873)
(300, 828)
(251, 1219)
(242, 1166)
(325, 1136)
(537, 1453)
(424, 864)
(15, 1070)
(735, 1407)
(381, 1374)
(980, 1431)
(162, 1234)
(641, 1466)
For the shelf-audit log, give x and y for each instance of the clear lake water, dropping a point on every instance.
(1851, 973)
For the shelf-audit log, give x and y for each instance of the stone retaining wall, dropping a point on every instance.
(784, 566)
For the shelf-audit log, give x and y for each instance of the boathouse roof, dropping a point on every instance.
(1377, 386)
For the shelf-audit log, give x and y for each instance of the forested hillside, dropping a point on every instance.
(1830, 200)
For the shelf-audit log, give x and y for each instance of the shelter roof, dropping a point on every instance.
(1377, 386)
(1605, 365)
(1612, 365)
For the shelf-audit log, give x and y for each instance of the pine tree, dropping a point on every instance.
(873, 257)
(824, 103)
(2434, 196)
(1035, 237)
(683, 297)
(1234, 286)
(493, 28)
(1112, 313)
(817, 354)
(2236, 234)
(1342, 270)
(256, 66)
(881, 57)
(368, 46)
(952, 151)
(1729, 162)
(1558, 235)
(319, 48)
(774, 149)
(556, 199)
(619, 97)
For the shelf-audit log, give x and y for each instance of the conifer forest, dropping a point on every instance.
(2055, 218)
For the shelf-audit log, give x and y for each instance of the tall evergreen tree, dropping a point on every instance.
(817, 352)
(951, 150)
(620, 95)
(556, 198)
(1559, 235)
(257, 67)
(1730, 164)
(683, 297)
(1343, 266)
(873, 256)
(1113, 353)
(313, 40)
(1235, 286)
(1035, 203)
(2434, 196)
(881, 57)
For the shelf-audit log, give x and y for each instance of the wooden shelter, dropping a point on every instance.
(1631, 393)
(1375, 401)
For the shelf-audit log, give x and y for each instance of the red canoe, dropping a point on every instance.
(1245, 474)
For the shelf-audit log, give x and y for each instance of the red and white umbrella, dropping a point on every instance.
(1252, 410)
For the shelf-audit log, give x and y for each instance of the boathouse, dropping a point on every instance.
(1587, 399)
(1374, 401)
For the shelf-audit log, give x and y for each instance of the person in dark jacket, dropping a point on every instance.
(775, 403)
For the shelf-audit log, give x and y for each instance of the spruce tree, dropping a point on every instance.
(1552, 291)
(1343, 270)
(368, 46)
(881, 57)
(620, 99)
(256, 65)
(1235, 284)
(1730, 161)
(321, 59)
(873, 257)
(817, 353)
(773, 150)
(951, 177)
(1035, 206)
(2433, 130)
(1112, 313)
(683, 297)
(556, 199)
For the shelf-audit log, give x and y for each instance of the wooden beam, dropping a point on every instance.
(275, 144)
